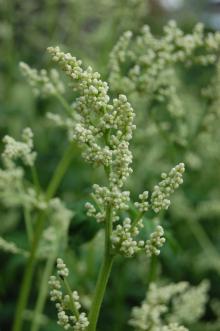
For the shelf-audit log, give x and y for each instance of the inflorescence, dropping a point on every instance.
(43, 84)
(105, 130)
(68, 306)
(165, 308)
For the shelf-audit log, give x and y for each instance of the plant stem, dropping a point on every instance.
(35, 179)
(63, 102)
(152, 274)
(28, 273)
(103, 274)
(100, 291)
(205, 243)
(60, 171)
(137, 219)
(28, 224)
(43, 290)
(72, 303)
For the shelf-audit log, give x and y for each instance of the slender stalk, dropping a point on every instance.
(205, 243)
(43, 290)
(29, 269)
(152, 274)
(28, 224)
(137, 219)
(35, 179)
(63, 102)
(100, 291)
(103, 274)
(72, 303)
(28, 275)
(60, 171)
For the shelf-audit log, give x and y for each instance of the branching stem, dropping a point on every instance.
(29, 269)
(103, 274)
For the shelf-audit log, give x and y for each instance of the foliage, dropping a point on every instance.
(96, 178)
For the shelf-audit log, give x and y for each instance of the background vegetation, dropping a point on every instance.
(89, 30)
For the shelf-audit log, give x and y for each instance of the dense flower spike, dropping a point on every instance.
(125, 243)
(155, 242)
(14, 190)
(54, 236)
(103, 128)
(19, 150)
(42, 83)
(11, 181)
(160, 309)
(123, 238)
(143, 205)
(187, 310)
(152, 58)
(174, 327)
(149, 68)
(162, 191)
(162, 76)
(10, 247)
(211, 93)
(68, 306)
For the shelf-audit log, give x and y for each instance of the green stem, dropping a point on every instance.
(205, 242)
(43, 290)
(137, 219)
(28, 273)
(100, 291)
(28, 224)
(60, 171)
(64, 103)
(103, 275)
(35, 179)
(72, 303)
(152, 274)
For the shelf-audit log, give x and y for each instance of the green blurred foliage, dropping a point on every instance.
(89, 30)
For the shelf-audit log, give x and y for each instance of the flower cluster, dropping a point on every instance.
(155, 242)
(162, 307)
(174, 327)
(13, 190)
(147, 65)
(11, 247)
(143, 204)
(187, 310)
(123, 238)
(152, 57)
(10, 185)
(42, 82)
(211, 93)
(103, 128)
(124, 235)
(54, 237)
(68, 306)
(19, 149)
(125, 243)
(104, 197)
(14, 193)
(162, 191)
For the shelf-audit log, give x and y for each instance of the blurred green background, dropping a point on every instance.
(89, 29)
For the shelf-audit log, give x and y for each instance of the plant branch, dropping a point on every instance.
(29, 269)
(103, 274)
(43, 290)
(72, 303)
